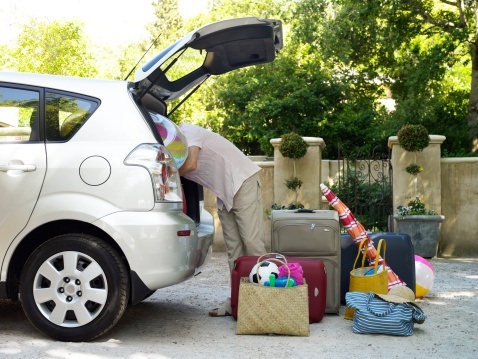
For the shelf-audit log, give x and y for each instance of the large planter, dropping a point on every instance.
(424, 231)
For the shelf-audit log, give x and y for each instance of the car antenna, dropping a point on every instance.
(142, 57)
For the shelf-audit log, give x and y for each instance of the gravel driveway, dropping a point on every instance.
(173, 323)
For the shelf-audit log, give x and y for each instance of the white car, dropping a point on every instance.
(92, 210)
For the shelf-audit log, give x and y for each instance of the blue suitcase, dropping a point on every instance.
(400, 256)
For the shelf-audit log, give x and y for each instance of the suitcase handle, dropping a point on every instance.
(278, 256)
(304, 210)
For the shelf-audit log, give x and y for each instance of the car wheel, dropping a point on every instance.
(74, 287)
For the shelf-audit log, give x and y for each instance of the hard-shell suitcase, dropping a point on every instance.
(314, 274)
(312, 234)
(400, 256)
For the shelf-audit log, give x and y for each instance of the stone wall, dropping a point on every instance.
(447, 185)
(459, 196)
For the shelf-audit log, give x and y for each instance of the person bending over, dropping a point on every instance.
(218, 165)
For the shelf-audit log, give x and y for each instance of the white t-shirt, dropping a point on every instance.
(222, 168)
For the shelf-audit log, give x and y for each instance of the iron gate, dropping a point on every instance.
(364, 184)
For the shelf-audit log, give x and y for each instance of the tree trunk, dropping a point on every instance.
(473, 104)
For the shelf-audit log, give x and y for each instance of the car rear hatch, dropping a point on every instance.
(179, 69)
(221, 47)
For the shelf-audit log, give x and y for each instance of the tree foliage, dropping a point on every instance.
(168, 24)
(299, 92)
(412, 47)
(55, 47)
(206, 107)
(341, 60)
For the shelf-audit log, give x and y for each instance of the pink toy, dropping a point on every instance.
(296, 272)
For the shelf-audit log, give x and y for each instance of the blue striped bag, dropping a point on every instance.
(374, 315)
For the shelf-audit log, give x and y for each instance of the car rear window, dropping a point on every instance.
(18, 112)
(65, 114)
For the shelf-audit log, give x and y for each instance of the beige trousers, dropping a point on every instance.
(243, 226)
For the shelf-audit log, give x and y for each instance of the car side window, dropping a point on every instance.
(18, 115)
(65, 114)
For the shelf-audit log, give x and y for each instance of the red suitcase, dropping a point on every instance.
(314, 274)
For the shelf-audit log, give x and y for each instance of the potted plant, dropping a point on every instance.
(422, 224)
(295, 147)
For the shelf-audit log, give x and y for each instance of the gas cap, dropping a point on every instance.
(95, 170)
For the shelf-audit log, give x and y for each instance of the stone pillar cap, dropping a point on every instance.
(434, 140)
(312, 141)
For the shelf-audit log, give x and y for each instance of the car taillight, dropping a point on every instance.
(185, 233)
(158, 160)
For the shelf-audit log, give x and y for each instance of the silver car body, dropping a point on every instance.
(84, 157)
(87, 181)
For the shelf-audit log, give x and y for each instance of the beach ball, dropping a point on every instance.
(424, 276)
(172, 137)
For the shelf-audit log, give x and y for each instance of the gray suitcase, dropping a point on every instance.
(313, 234)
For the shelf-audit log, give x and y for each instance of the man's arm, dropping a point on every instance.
(191, 161)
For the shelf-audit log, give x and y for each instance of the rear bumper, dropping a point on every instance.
(155, 252)
(205, 235)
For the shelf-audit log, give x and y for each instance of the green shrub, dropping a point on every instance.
(293, 183)
(293, 146)
(369, 201)
(413, 138)
(414, 208)
(414, 169)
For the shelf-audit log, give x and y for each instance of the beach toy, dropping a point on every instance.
(173, 138)
(356, 230)
(266, 269)
(424, 276)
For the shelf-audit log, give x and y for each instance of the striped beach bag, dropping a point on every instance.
(374, 315)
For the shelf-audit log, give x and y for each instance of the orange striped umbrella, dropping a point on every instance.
(355, 229)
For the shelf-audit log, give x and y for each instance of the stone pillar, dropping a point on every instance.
(429, 180)
(308, 169)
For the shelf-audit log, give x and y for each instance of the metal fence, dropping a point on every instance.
(364, 184)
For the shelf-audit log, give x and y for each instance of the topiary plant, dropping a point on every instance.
(293, 146)
(293, 183)
(414, 169)
(413, 138)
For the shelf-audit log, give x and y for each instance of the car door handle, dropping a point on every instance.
(17, 167)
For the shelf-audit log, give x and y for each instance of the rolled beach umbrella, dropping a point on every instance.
(356, 230)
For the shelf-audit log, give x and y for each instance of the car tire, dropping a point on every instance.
(74, 287)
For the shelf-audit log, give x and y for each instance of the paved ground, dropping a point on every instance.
(173, 323)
